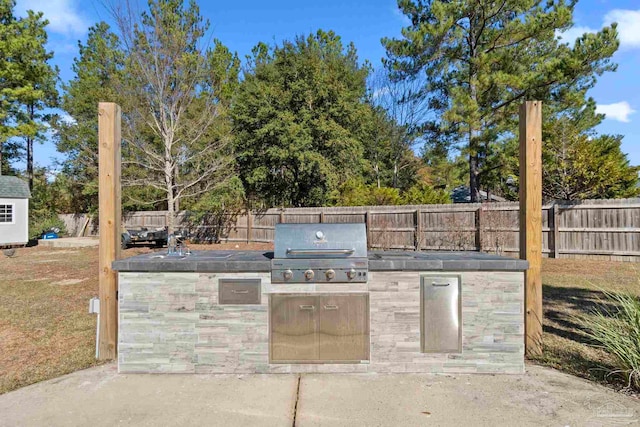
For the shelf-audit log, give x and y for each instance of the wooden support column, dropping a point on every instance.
(109, 194)
(249, 225)
(531, 220)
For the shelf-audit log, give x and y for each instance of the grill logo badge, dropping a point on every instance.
(320, 237)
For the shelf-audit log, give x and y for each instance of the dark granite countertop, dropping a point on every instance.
(260, 261)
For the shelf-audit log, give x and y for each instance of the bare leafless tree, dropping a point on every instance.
(169, 101)
(406, 109)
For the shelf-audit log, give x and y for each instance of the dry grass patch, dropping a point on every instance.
(45, 328)
(572, 288)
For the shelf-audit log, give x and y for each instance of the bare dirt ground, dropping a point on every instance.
(46, 330)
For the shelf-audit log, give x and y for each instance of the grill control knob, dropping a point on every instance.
(330, 274)
(287, 274)
(351, 274)
(308, 274)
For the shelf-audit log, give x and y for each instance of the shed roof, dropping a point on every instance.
(13, 187)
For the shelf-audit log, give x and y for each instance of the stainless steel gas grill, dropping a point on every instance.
(320, 253)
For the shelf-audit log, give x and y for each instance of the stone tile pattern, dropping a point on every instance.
(172, 322)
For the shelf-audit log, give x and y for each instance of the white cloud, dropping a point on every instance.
(63, 15)
(628, 28)
(619, 111)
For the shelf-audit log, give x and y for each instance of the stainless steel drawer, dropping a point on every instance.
(441, 313)
(239, 291)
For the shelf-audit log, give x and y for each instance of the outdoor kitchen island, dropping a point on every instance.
(323, 307)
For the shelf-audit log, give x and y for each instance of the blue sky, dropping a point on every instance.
(241, 24)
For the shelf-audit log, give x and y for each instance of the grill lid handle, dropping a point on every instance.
(320, 251)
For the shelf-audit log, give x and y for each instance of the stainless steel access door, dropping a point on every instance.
(294, 328)
(441, 312)
(344, 328)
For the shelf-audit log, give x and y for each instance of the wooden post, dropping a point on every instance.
(555, 216)
(322, 216)
(109, 194)
(249, 225)
(418, 235)
(367, 221)
(282, 216)
(531, 220)
(479, 228)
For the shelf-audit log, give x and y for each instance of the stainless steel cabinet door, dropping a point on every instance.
(344, 328)
(294, 326)
(441, 329)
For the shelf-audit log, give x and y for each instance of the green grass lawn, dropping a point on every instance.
(46, 330)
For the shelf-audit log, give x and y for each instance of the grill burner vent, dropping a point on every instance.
(320, 253)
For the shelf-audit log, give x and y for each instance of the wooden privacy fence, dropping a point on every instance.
(596, 229)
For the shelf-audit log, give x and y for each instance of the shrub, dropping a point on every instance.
(423, 194)
(384, 196)
(617, 331)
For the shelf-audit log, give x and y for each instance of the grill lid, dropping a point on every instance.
(295, 241)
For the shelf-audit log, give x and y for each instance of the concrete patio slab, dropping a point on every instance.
(541, 397)
(101, 397)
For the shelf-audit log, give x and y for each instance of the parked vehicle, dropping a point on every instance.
(157, 236)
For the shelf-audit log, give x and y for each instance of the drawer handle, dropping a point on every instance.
(239, 292)
(439, 284)
(306, 307)
(330, 307)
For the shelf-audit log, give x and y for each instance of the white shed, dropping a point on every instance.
(14, 211)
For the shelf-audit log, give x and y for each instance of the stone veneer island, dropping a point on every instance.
(172, 319)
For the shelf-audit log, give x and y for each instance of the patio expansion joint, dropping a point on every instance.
(297, 399)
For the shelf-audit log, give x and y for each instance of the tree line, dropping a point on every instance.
(305, 122)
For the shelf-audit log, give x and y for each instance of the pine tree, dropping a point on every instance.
(35, 84)
(480, 58)
(97, 70)
(580, 164)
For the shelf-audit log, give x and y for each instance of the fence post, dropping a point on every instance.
(479, 228)
(249, 225)
(418, 235)
(282, 216)
(367, 221)
(322, 216)
(555, 215)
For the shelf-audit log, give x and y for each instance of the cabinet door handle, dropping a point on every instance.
(439, 284)
(306, 307)
(330, 307)
(239, 292)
